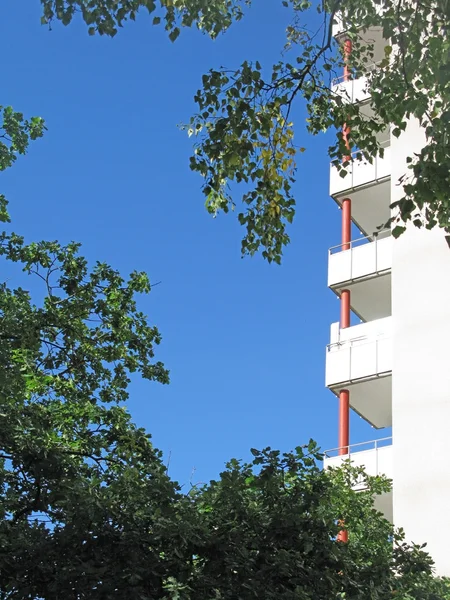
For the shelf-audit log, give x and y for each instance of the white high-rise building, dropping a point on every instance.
(393, 368)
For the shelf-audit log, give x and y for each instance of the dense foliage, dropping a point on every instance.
(243, 127)
(245, 133)
(87, 510)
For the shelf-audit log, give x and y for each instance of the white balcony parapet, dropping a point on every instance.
(360, 352)
(360, 173)
(356, 90)
(352, 91)
(360, 258)
(338, 27)
(374, 456)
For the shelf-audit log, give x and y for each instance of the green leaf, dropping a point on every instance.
(174, 34)
(398, 230)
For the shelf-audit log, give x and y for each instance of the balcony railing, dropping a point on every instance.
(350, 451)
(368, 69)
(354, 90)
(365, 256)
(359, 352)
(361, 172)
(362, 241)
(374, 456)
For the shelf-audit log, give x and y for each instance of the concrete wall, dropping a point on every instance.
(421, 376)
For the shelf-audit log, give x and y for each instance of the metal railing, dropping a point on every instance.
(383, 144)
(364, 358)
(375, 169)
(362, 241)
(369, 69)
(372, 445)
(360, 339)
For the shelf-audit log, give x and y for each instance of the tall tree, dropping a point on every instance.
(244, 133)
(69, 454)
(264, 529)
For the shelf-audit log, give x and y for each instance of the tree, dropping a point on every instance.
(87, 510)
(244, 134)
(264, 529)
(69, 454)
(271, 531)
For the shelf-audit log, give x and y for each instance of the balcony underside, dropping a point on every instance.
(370, 298)
(371, 399)
(374, 36)
(370, 204)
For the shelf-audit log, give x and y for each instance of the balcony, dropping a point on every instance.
(354, 91)
(364, 268)
(357, 91)
(359, 359)
(373, 35)
(376, 459)
(369, 187)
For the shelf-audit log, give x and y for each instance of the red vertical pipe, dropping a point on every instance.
(342, 536)
(344, 435)
(347, 53)
(345, 309)
(344, 395)
(347, 76)
(346, 223)
(344, 421)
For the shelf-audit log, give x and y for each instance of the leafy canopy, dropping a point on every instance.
(245, 133)
(87, 509)
(243, 128)
(106, 17)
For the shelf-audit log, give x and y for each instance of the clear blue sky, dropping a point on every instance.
(244, 340)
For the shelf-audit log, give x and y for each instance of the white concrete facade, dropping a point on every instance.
(421, 376)
(396, 363)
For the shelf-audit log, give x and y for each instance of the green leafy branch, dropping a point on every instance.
(105, 18)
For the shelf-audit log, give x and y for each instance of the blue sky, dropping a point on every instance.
(244, 340)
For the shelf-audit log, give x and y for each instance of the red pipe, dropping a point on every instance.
(344, 395)
(347, 53)
(342, 535)
(347, 76)
(346, 223)
(344, 421)
(345, 309)
(346, 136)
